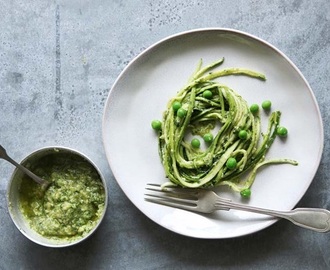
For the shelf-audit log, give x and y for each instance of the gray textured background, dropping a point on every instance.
(58, 61)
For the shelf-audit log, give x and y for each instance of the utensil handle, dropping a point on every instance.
(310, 218)
(5, 156)
(316, 219)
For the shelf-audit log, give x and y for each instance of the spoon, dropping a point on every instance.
(44, 183)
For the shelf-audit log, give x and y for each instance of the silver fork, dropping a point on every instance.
(207, 201)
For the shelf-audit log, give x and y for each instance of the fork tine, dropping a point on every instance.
(176, 197)
(159, 187)
(178, 191)
(171, 204)
(169, 197)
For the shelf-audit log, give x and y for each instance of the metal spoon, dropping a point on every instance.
(44, 183)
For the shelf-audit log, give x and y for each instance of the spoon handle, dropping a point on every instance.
(4, 155)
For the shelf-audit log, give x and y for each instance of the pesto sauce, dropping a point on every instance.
(72, 205)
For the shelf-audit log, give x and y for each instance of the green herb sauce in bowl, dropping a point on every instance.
(70, 209)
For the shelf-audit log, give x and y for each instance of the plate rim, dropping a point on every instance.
(220, 30)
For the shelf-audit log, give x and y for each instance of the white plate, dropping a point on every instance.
(142, 90)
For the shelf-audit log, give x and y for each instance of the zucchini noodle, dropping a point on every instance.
(226, 111)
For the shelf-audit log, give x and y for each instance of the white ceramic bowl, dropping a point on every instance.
(13, 197)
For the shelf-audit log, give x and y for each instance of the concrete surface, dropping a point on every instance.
(58, 61)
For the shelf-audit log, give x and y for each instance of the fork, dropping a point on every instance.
(207, 201)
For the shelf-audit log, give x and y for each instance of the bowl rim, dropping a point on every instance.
(54, 149)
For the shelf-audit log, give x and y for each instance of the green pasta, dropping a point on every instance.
(232, 133)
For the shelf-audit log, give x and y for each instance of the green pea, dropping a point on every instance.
(246, 193)
(242, 134)
(208, 137)
(282, 131)
(181, 112)
(207, 94)
(195, 143)
(266, 105)
(231, 163)
(156, 125)
(176, 105)
(254, 108)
